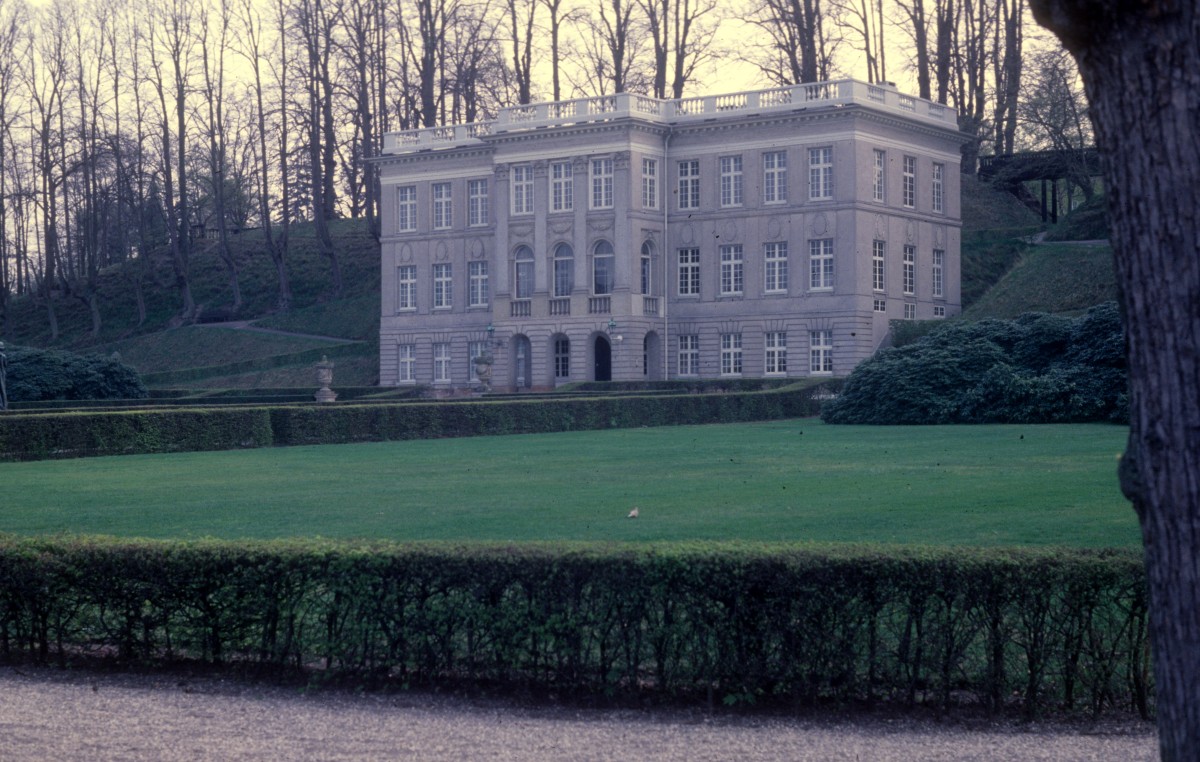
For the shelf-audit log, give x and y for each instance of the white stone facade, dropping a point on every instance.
(760, 234)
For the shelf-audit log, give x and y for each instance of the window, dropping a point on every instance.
(406, 363)
(477, 285)
(650, 183)
(879, 187)
(731, 269)
(443, 294)
(477, 202)
(881, 305)
(602, 183)
(820, 259)
(406, 287)
(910, 270)
(441, 363)
(442, 206)
(524, 272)
(406, 209)
(939, 261)
(562, 187)
(731, 354)
(603, 269)
(731, 181)
(820, 173)
(910, 311)
(475, 349)
(775, 267)
(689, 355)
(820, 352)
(776, 353)
(562, 357)
(689, 272)
(910, 181)
(647, 268)
(878, 249)
(939, 195)
(774, 177)
(564, 270)
(939, 311)
(522, 189)
(689, 184)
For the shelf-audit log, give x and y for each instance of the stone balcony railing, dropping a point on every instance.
(680, 111)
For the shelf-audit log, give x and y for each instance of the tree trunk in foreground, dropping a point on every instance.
(1141, 65)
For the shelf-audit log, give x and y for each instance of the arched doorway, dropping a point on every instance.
(522, 363)
(602, 365)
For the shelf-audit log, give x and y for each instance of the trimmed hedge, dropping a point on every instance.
(1033, 630)
(80, 434)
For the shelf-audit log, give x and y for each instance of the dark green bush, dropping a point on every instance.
(1028, 630)
(51, 374)
(1035, 369)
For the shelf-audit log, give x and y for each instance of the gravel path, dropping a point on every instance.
(53, 715)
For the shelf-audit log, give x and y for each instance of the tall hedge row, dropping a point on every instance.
(65, 435)
(1028, 630)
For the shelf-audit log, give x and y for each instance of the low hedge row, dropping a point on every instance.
(1004, 629)
(80, 434)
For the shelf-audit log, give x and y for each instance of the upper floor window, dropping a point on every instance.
(689, 272)
(478, 284)
(650, 183)
(731, 269)
(820, 256)
(406, 287)
(564, 270)
(442, 206)
(523, 271)
(477, 202)
(443, 293)
(820, 173)
(879, 187)
(562, 186)
(910, 181)
(689, 184)
(522, 189)
(602, 183)
(647, 268)
(775, 177)
(406, 208)
(603, 269)
(910, 270)
(939, 190)
(939, 264)
(878, 249)
(731, 180)
(775, 267)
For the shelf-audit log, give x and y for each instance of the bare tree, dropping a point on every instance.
(521, 20)
(607, 59)
(864, 20)
(1008, 59)
(682, 34)
(12, 40)
(915, 24)
(1141, 66)
(558, 15)
(798, 48)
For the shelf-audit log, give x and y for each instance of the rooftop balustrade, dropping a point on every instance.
(679, 111)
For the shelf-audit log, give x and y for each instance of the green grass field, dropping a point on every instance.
(796, 480)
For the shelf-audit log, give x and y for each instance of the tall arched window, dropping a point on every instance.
(564, 270)
(603, 269)
(647, 268)
(524, 272)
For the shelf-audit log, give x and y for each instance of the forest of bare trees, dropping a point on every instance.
(131, 127)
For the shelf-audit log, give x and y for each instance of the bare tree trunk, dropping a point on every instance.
(1141, 66)
(213, 55)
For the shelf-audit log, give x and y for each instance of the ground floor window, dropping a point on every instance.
(776, 353)
(406, 373)
(731, 354)
(441, 363)
(820, 351)
(562, 358)
(689, 355)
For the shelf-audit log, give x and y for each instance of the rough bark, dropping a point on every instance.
(1141, 66)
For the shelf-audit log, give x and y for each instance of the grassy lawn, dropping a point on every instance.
(795, 480)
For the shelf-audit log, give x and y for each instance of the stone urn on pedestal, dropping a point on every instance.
(483, 371)
(325, 378)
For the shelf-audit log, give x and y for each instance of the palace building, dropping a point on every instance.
(759, 234)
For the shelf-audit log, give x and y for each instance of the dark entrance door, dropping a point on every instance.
(603, 359)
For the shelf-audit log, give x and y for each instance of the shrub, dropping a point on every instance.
(50, 374)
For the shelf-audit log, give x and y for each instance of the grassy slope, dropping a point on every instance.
(788, 480)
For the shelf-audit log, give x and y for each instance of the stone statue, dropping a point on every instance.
(325, 378)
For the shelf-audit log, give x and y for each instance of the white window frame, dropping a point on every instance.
(562, 358)
(443, 285)
(649, 183)
(880, 305)
(909, 274)
(732, 270)
(731, 180)
(610, 269)
(775, 353)
(522, 189)
(820, 352)
(406, 209)
(689, 183)
(562, 186)
(731, 354)
(820, 264)
(775, 190)
(820, 173)
(524, 273)
(910, 311)
(939, 310)
(879, 266)
(937, 276)
(602, 183)
(443, 206)
(775, 267)
(441, 362)
(477, 286)
(406, 288)
(879, 186)
(689, 272)
(909, 185)
(406, 363)
(477, 203)
(564, 271)
(689, 354)
(938, 188)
